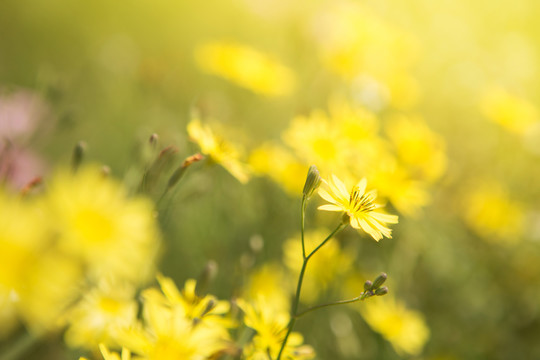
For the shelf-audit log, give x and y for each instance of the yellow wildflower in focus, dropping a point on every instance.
(405, 329)
(493, 215)
(246, 67)
(97, 223)
(324, 267)
(418, 146)
(271, 326)
(280, 165)
(218, 150)
(511, 112)
(359, 206)
(101, 312)
(177, 326)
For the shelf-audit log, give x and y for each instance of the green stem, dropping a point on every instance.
(340, 227)
(302, 217)
(340, 302)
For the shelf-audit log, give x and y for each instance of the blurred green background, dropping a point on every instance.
(112, 73)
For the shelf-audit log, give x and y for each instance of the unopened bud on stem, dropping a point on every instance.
(379, 281)
(368, 285)
(381, 291)
(313, 181)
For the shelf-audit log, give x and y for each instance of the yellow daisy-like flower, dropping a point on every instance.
(96, 222)
(218, 150)
(270, 326)
(359, 205)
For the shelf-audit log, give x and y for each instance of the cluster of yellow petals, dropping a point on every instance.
(359, 206)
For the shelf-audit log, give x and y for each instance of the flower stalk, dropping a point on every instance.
(294, 309)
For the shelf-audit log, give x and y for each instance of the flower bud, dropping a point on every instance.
(368, 285)
(313, 181)
(381, 291)
(379, 281)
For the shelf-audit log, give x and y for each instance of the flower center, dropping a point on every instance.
(361, 202)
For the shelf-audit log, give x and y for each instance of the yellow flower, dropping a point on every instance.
(271, 283)
(271, 326)
(315, 140)
(205, 309)
(52, 284)
(417, 146)
(218, 150)
(359, 205)
(245, 67)
(98, 224)
(178, 325)
(405, 329)
(101, 312)
(491, 213)
(396, 184)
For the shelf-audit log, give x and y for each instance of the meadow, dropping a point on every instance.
(266, 180)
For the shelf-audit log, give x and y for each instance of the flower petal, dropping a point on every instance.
(387, 218)
(340, 186)
(330, 207)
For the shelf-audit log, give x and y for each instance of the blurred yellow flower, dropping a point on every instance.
(271, 283)
(511, 112)
(218, 150)
(280, 165)
(396, 184)
(315, 140)
(491, 213)
(359, 206)
(205, 309)
(271, 326)
(96, 318)
(52, 285)
(324, 267)
(96, 222)
(245, 67)
(417, 146)
(405, 329)
(176, 326)
(22, 236)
